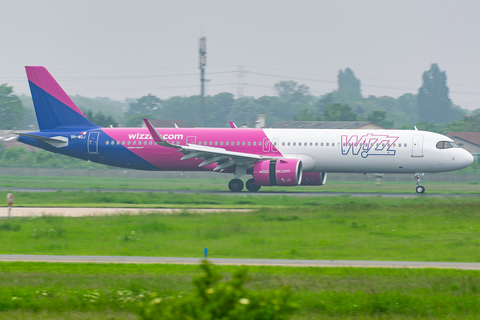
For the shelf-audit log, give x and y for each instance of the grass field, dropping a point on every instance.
(199, 200)
(221, 184)
(92, 291)
(338, 228)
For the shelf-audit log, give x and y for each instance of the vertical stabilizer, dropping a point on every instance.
(53, 107)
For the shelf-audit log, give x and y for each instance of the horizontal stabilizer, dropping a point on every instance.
(57, 141)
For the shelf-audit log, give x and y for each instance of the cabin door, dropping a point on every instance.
(417, 146)
(266, 145)
(191, 140)
(93, 142)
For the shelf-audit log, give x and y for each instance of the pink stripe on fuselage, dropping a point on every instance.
(169, 158)
(44, 80)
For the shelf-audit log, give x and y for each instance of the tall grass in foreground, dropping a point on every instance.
(321, 293)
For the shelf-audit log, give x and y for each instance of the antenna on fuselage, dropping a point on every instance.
(415, 128)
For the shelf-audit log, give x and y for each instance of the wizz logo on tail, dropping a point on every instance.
(368, 145)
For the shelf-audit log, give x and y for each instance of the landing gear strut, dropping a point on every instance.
(419, 188)
(251, 186)
(235, 185)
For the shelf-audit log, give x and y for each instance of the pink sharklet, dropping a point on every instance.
(155, 137)
(169, 158)
(44, 80)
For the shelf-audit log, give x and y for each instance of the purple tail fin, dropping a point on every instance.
(54, 108)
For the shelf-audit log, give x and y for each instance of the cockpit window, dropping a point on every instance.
(446, 144)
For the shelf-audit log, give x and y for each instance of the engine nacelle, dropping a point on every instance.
(280, 172)
(314, 179)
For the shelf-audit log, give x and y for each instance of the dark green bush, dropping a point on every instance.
(212, 299)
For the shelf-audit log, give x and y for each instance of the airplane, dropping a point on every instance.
(273, 157)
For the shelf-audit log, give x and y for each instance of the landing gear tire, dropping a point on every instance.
(418, 177)
(235, 185)
(251, 186)
(420, 189)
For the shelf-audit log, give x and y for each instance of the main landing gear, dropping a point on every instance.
(236, 185)
(419, 188)
(252, 186)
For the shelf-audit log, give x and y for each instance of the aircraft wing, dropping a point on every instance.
(224, 158)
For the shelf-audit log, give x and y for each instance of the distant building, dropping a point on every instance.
(469, 141)
(325, 125)
(260, 123)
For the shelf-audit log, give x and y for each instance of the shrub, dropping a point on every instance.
(211, 299)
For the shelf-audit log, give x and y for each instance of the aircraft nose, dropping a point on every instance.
(471, 159)
(467, 158)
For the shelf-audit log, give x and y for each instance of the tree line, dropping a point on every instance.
(430, 108)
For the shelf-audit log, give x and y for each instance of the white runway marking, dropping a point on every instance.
(82, 212)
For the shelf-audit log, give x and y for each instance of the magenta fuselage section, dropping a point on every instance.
(140, 142)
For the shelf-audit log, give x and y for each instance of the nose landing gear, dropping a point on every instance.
(419, 188)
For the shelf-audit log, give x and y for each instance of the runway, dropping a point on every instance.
(412, 194)
(246, 262)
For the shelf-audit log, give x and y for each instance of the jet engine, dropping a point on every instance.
(279, 172)
(314, 178)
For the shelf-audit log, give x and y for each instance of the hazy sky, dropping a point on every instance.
(121, 49)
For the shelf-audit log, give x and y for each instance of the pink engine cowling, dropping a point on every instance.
(313, 179)
(281, 172)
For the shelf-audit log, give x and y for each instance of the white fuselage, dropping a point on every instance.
(387, 151)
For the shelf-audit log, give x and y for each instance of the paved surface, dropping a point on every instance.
(412, 194)
(252, 262)
(81, 212)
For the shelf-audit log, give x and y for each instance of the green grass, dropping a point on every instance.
(70, 291)
(221, 184)
(337, 228)
(199, 200)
